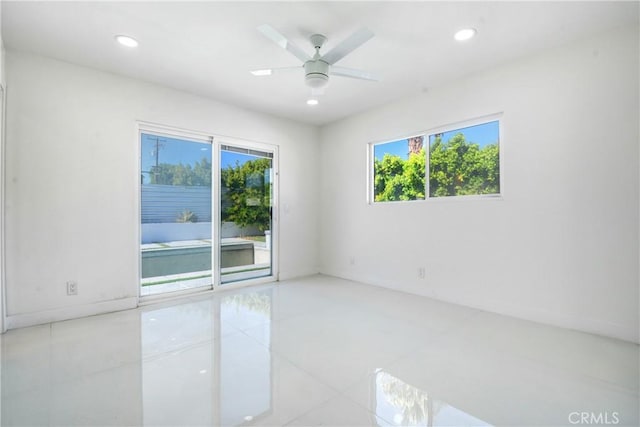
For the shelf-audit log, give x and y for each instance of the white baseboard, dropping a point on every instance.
(66, 313)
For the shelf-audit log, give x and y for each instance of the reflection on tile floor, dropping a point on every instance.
(315, 351)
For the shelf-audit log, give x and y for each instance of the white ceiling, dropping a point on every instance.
(208, 48)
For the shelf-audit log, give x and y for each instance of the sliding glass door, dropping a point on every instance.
(246, 200)
(206, 212)
(176, 214)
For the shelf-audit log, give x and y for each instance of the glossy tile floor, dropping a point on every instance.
(315, 351)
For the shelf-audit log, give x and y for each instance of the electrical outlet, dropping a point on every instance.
(72, 288)
(421, 273)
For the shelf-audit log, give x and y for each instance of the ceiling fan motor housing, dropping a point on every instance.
(316, 73)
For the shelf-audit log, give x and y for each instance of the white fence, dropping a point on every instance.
(164, 203)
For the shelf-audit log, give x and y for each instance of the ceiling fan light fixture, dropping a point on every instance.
(316, 80)
(312, 101)
(465, 34)
(126, 41)
(316, 73)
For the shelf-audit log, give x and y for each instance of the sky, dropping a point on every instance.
(483, 134)
(174, 151)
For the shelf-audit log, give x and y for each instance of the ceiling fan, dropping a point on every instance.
(318, 68)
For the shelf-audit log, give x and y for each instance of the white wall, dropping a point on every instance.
(561, 247)
(72, 156)
(2, 161)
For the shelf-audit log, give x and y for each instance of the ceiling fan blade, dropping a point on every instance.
(354, 74)
(270, 71)
(348, 45)
(273, 35)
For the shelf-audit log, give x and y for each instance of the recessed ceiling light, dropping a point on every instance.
(312, 101)
(465, 34)
(127, 41)
(266, 72)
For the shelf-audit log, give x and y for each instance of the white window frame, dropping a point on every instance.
(496, 117)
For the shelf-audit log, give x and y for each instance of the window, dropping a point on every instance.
(399, 170)
(459, 161)
(465, 161)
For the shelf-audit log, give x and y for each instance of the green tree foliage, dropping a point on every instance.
(457, 168)
(398, 179)
(246, 194)
(178, 174)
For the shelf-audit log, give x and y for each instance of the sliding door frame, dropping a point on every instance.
(251, 145)
(216, 142)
